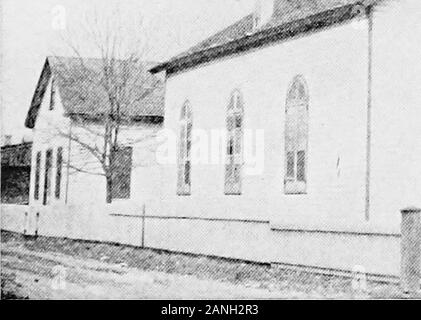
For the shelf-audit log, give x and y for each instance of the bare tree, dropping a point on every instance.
(107, 92)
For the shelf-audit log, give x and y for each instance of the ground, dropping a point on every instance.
(51, 268)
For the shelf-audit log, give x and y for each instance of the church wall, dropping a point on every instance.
(396, 111)
(308, 229)
(334, 65)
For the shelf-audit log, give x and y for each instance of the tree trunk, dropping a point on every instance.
(109, 188)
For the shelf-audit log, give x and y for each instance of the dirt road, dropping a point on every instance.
(48, 268)
(57, 276)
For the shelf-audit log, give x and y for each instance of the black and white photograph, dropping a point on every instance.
(218, 150)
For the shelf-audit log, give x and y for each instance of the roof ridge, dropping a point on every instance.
(95, 58)
(242, 31)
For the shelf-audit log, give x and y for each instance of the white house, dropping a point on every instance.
(318, 103)
(67, 115)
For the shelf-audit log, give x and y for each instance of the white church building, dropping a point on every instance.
(319, 105)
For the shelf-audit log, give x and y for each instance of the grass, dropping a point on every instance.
(10, 289)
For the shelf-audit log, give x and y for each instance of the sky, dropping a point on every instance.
(34, 29)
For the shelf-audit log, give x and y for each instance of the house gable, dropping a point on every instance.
(80, 82)
(50, 112)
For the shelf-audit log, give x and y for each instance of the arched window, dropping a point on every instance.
(234, 152)
(184, 154)
(296, 137)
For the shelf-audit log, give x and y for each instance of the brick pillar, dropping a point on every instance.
(411, 250)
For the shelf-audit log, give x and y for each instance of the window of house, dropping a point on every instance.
(53, 94)
(296, 137)
(184, 151)
(121, 162)
(47, 176)
(37, 175)
(59, 165)
(234, 153)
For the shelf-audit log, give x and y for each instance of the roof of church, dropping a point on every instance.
(289, 18)
(80, 82)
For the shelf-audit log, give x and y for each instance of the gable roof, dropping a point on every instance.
(80, 83)
(289, 18)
